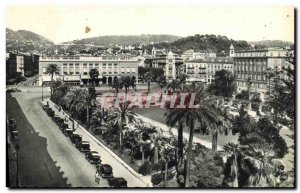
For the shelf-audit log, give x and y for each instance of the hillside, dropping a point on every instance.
(27, 41)
(272, 43)
(215, 43)
(127, 39)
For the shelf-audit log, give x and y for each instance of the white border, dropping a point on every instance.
(5, 3)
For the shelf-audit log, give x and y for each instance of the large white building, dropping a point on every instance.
(252, 64)
(203, 70)
(75, 69)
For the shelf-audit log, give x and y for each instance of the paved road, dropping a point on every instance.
(74, 167)
(47, 157)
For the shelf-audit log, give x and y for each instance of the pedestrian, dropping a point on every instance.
(97, 177)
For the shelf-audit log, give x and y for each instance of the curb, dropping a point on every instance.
(127, 167)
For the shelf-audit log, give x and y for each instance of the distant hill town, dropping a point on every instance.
(30, 42)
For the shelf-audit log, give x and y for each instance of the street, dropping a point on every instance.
(47, 158)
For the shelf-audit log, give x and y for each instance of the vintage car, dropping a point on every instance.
(50, 112)
(105, 171)
(68, 132)
(15, 134)
(117, 182)
(84, 146)
(75, 138)
(45, 106)
(63, 126)
(12, 124)
(93, 157)
(55, 118)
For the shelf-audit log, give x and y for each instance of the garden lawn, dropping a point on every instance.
(158, 114)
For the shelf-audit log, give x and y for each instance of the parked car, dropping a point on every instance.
(63, 126)
(12, 124)
(84, 146)
(117, 182)
(55, 118)
(45, 106)
(50, 112)
(15, 134)
(68, 132)
(105, 171)
(93, 157)
(75, 138)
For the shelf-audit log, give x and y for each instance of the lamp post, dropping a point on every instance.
(42, 90)
(17, 159)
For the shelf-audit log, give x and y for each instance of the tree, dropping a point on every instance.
(224, 84)
(94, 75)
(122, 115)
(263, 173)
(149, 77)
(188, 116)
(126, 82)
(117, 85)
(207, 168)
(269, 75)
(174, 85)
(161, 81)
(52, 69)
(85, 101)
(72, 101)
(96, 119)
(233, 150)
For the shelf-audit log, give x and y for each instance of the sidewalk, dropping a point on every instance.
(120, 168)
(166, 132)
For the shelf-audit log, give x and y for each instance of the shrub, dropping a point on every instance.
(156, 167)
(145, 169)
(156, 179)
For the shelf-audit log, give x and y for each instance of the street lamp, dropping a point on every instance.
(17, 159)
(42, 90)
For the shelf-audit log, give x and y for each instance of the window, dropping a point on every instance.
(96, 64)
(45, 70)
(65, 69)
(104, 65)
(85, 71)
(77, 69)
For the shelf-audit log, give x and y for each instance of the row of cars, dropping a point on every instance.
(12, 127)
(93, 157)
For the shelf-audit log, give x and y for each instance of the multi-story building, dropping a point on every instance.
(27, 64)
(203, 70)
(251, 64)
(170, 63)
(191, 55)
(76, 69)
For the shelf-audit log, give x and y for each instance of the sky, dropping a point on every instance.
(65, 23)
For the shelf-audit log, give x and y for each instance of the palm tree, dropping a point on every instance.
(260, 159)
(182, 80)
(116, 85)
(172, 120)
(269, 75)
(161, 81)
(204, 113)
(126, 82)
(72, 100)
(233, 150)
(94, 75)
(174, 85)
(149, 77)
(122, 115)
(85, 101)
(52, 69)
(96, 119)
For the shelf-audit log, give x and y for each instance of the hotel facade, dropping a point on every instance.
(252, 64)
(203, 70)
(75, 69)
